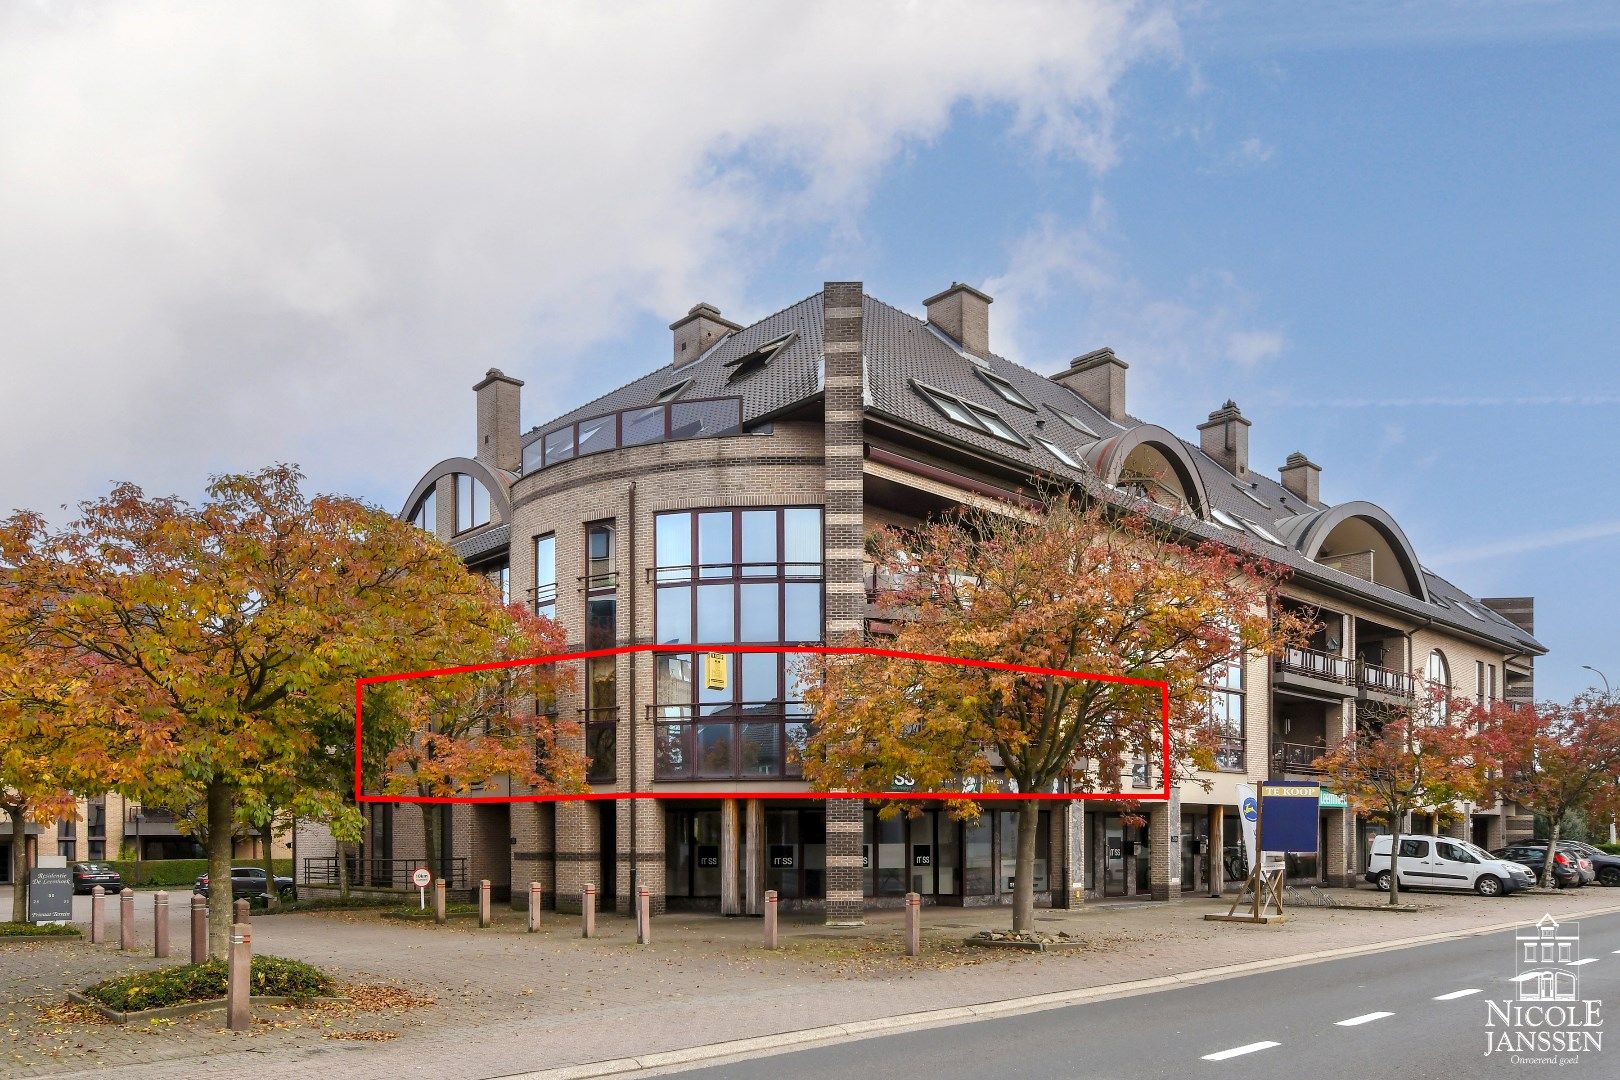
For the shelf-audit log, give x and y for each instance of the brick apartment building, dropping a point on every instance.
(723, 497)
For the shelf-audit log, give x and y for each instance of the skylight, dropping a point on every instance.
(1058, 452)
(1251, 496)
(1227, 519)
(968, 414)
(1073, 421)
(992, 422)
(670, 393)
(759, 357)
(1261, 531)
(1007, 390)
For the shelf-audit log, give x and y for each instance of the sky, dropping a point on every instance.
(237, 234)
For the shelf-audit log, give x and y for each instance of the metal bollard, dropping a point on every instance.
(913, 924)
(534, 906)
(587, 911)
(160, 924)
(483, 902)
(643, 915)
(126, 919)
(98, 915)
(199, 928)
(770, 919)
(239, 912)
(438, 901)
(239, 979)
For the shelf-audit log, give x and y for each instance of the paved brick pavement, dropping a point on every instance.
(508, 1001)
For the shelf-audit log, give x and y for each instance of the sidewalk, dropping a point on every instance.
(509, 1002)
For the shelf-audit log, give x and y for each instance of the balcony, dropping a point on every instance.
(740, 745)
(1314, 673)
(1385, 681)
(698, 418)
(1291, 757)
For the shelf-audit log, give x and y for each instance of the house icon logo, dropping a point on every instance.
(1548, 961)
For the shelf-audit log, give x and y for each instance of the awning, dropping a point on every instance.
(1329, 801)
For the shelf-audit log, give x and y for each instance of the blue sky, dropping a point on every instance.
(1389, 230)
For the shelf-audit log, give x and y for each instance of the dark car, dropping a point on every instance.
(87, 875)
(1566, 868)
(248, 881)
(1606, 866)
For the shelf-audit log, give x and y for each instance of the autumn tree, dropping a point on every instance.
(1425, 754)
(1555, 758)
(210, 638)
(462, 731)
(1059, 587)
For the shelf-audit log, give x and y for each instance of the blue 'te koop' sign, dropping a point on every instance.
(1288, 815)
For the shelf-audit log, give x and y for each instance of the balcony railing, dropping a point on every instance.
(1296, 757)
(743, 745)
(697, 418)
(1318, 665)
(1384, 680)
(380, 873)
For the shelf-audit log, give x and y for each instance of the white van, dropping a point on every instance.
(1439, 862)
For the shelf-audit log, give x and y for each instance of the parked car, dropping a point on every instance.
(1604, 865)
(249, 881)
(1438, 862)
(1566, 867)
(87, 875)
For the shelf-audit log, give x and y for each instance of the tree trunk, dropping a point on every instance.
(343, 868)
(267, 834)
(221, 810)
(19, 864)
(1395, 862)
(1024, 871)
(1547, 879)
(430, 837)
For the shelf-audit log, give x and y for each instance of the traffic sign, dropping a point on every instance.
(422, 877)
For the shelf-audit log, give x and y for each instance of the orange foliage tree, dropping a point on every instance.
(1061, 587)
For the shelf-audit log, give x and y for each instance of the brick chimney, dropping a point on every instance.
(500, 444)
(697, 330)
(1225, 437)
(1302, 477)
(1099, 378)
(963, 312)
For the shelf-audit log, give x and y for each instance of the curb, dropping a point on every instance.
(762, 1045)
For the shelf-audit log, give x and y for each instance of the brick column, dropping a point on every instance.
(1337, 855)
(845, 536)
(649, 861)
(1164, 865)
(578, 864)
(533, 853)
(730, 855)
(753, 886)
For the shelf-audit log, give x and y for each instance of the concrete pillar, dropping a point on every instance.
(438, 901)
(730, 845)
(239, 979)
(160, 924)
(754, 857)
(770, 919)
(1164, 865)
(587, 910)
(483, 902)
(643, 915)
(199, 928)
(534, 906)
(1073, 817)
(239, 912)
(846, 901)
(126, 920)
(98, 914)
(1217, 850)
(913, 924)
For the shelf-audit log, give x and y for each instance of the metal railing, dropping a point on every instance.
(1317, 664)
(1297, 757)
(1385, 680)
(729, 746)
(380, 873)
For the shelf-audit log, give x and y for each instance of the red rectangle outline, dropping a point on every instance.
(824, 650)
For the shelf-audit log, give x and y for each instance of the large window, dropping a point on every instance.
(734, 576)
(601, 632)
(1438, 673)
(545, 575)
(426, 514)
(1226, 715)
(472, 503)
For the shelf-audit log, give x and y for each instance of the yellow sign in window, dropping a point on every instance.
(714, 671)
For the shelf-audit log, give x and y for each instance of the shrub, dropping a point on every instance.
(173, 873)
(1612, 849)
(22, 929)
(273, 976)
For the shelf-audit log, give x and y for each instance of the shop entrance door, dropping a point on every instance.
(1114, 861)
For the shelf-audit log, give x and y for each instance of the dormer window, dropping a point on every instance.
(966, 413)
(757, 358)
(670, 393)
(1007, 390)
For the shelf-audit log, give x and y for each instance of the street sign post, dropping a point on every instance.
(422, 877)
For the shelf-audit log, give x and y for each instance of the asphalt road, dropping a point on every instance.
(1411, 1014)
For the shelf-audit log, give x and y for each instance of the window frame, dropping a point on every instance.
(1006, 390)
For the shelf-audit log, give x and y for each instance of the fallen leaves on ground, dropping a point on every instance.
(71, 1012)
(362, 1036)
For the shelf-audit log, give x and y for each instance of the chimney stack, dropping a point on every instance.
(500, 442)
(697, 330)
(1099, 378)
(1225, 437)
(963, 312)
(1303, 478)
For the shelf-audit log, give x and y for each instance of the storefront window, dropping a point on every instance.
(1009, 850)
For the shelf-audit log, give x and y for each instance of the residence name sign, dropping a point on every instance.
(50, 895)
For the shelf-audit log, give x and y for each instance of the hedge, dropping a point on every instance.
(174, 873)
(272, 976)
(23, 929)
(1612, 849)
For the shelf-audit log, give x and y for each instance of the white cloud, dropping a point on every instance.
(1519, 545)
(235, 232)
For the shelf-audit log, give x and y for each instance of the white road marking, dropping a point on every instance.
(1364, 1018)
(1588, 960)
(1455, 994)
(1239, 1051)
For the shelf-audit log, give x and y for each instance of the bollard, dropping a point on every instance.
(913, 924)
(98, 915)
(587, 911)
(239, 979)
(643, 915)
(126, 919)
(239, 912)
(199, 928)
(483, 902)
(438, 901)
(534, 906)
(770, 919)
(160, 924)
